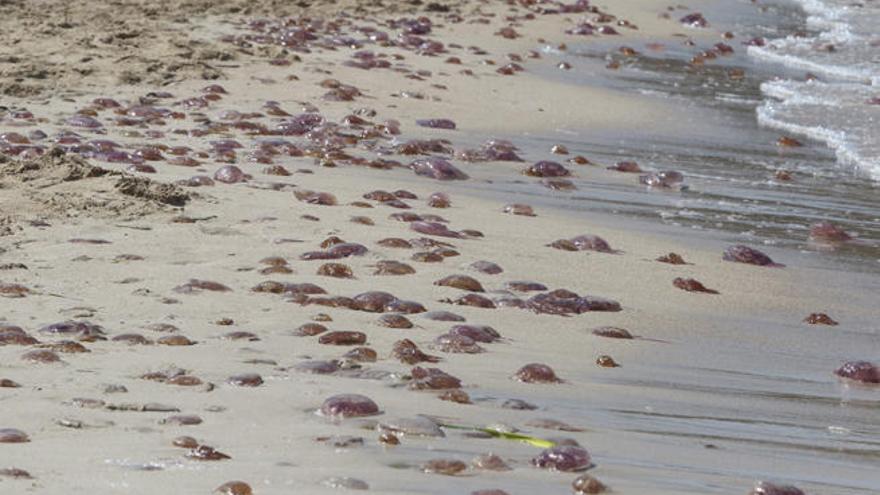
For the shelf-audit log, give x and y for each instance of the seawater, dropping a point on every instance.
(718, 134)
(841, 106)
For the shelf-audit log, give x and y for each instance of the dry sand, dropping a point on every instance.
(269, 431)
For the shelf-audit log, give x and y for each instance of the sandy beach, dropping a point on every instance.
(199, 309)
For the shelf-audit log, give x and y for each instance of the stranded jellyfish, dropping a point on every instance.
(11, 435)
(439, 200)
(245, 380)
(234, 488)
(606, 361)
(819, 319)
(462, 282)
(394, 321)
(432, 379)
(565, 302)
(587, 485)
(395, 242)
(457, 343)
(563, 458)
(12, 335)
(434, 228)
(519, 209)
(672, 259)
(195, 286)
(665, 179)
(745, 254)
(490, 462)
(547, 169)
(695, 20)
(407, 352)
(828, 232)
(449, 467)
(41, 356)
(348, 406)
(486, 267)
(859, 371)
(15, 473)
(436, 123)
(443, 316)
(478, 333)
(613, 332)
(342, 338)
(525, 286)
(765, 488)
(337, 270)
(373, 301)
(389, 267)
(589, 242)
(437, 168)
(206, 453)
(474, 300)
(84, 121)
(626, 166)
(692, 285)
(230, 174)
(73, 327)
(536, 373)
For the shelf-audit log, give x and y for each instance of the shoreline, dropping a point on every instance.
(648, 425)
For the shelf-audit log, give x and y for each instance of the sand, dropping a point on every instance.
(92, 241)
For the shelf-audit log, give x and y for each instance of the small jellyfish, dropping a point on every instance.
(613, 332)
(457, 343)
(433, 228)
(432, 379)
(206, 453)
(448, 467)
(672, 259)
(589, 242)
(828, 232)
(536, 373)
(439, 200)
(745, 254)
(587, 485)
(462, 282)
(11, 435)
(407, 352)
(490, 462)
(606, 361)
(766, 488)
(336, 270)
(245, 380)
(859, 371)
(547, 169)
(692, 285)
(437, 168)
(389, 267)
(343, 338)
(349, 405)
(487, 267)
(474, 300)
(394, 321)
(478, 333)
(519, 209)
(229, 174)
(563, 458)
(436, 123)
(234, 488)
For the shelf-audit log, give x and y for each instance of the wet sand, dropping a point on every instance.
(708, 399)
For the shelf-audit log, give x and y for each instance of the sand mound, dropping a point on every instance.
(59, 185)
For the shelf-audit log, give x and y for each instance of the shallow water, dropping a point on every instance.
(714, 138)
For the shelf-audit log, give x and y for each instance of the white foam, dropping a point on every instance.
(835, 112)
(838, 141)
